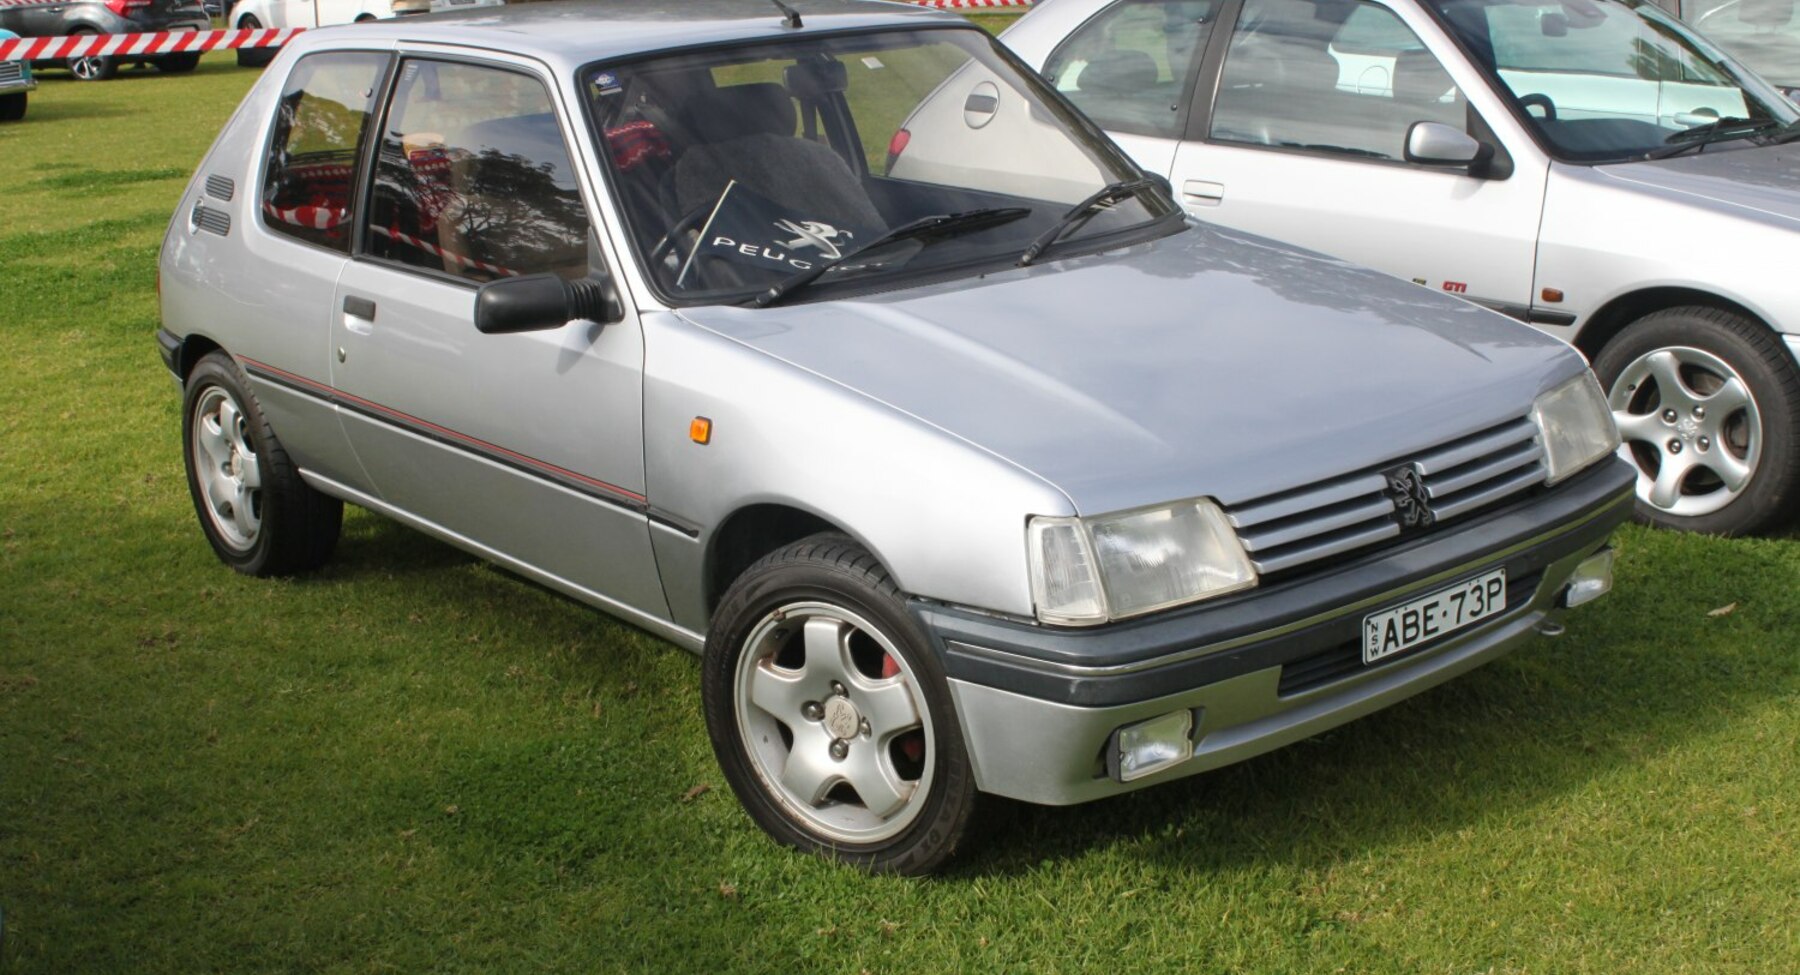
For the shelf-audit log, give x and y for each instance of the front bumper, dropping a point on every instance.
(1038, 705)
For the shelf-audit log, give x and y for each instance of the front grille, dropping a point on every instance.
(11, 71)
(1290, 529)
(1344, 659)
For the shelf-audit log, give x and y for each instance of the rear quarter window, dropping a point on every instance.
(310, 175)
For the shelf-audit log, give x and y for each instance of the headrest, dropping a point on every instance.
(535, 137)
(1767, 13)
(1418, 77)
(741, 110)
(1120, 71)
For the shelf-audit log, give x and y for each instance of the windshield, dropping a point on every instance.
(1608, 80)
(738, 168)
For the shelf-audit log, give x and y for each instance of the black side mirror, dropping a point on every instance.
(540, 301)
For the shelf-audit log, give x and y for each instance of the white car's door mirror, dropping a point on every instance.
(541, 301)
(1437, 144)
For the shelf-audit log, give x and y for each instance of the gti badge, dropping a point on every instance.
(1406, 488)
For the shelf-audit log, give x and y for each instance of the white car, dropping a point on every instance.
(255, 14)
(1593, 167)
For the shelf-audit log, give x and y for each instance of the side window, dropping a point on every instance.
(310, 176)
(1128, 67)
(473, 178)
(1349, 80)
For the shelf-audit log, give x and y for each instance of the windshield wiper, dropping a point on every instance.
(1718, 130)
(1079, 213)
(1785, 134)
(935, 225)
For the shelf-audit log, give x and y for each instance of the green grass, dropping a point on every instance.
(412, 762)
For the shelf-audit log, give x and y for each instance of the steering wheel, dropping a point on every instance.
(1540, 100)
(667, 242)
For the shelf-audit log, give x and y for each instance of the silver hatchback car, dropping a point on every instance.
(964, 459)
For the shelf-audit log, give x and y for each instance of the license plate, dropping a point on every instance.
(1399, 629)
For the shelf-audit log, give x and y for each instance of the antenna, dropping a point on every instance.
(791, 16)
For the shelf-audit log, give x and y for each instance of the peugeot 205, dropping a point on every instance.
(971, 471)
(1594, 167)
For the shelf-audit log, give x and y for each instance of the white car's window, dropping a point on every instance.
(312, 169)
(1339, 78)
(741, 166)
(473, 178)
(1605, 80)
(1131, 67)
(1764, 34)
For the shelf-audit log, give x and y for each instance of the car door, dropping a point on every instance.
(1302, 139)
(285, 224)
(527, 446)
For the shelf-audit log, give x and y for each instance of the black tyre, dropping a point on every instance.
(92, 68)
(253, 57)
(830, 714)
(1708, 405)
(12, 107)
(177, 63)
(260, 517)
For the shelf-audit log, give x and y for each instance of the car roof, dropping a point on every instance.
(570, 33)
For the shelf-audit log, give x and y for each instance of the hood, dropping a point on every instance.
(1762, 180)
(1204, 363)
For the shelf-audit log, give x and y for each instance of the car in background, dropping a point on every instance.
(1592, 167)
(986, 473)
(16, 84)
(79, 17)
(308, 14)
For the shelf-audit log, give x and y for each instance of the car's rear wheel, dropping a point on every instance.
(257, 513)
(253, 57)
(177, 63)
(12, 107)
(92, 67)
(830, 714)
(1706, 403)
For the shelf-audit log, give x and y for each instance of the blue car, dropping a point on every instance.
(15, 84)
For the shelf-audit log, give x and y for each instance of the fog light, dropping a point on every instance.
(1151, 746)
(1592, 579)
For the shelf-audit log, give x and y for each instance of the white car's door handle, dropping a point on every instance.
(359, 315)
(1202, 192)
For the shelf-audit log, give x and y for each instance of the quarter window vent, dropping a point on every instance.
(220, 188)
(211, 221)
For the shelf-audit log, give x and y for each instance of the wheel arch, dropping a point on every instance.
(753, 531)
(1620, 312)
(189, 353)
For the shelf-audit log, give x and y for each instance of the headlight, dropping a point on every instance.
(1576, 426)
(1090, 570)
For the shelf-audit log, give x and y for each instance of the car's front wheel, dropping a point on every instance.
(830, 714)
(257, 513)
(92, 67)
(1708, 407)
(12, 107)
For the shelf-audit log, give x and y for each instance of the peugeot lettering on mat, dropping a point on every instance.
(749, 229)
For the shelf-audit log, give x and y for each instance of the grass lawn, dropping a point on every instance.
(412, 762)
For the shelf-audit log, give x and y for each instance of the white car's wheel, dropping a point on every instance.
(830, 714)
(1706, 405)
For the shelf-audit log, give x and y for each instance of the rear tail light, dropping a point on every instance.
(125, 8)
(896, 146)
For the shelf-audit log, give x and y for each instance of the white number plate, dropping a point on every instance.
(1429, 617)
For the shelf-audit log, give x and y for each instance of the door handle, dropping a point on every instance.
(362, 308)
(1202, 192)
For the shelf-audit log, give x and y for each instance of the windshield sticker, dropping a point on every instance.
(746, 228)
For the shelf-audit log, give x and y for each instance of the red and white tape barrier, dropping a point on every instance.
(134, 45)
(181, 42)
